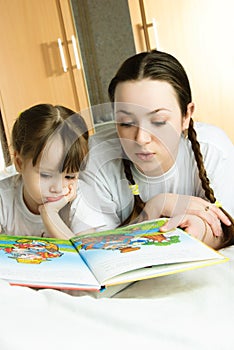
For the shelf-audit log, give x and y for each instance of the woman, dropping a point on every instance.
(158, 159)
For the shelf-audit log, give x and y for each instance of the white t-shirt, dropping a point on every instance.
(107, 181)
(16, 219)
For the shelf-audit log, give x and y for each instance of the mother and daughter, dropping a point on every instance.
(154, 161)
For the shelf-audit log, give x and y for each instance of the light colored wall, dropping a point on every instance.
(198, 33)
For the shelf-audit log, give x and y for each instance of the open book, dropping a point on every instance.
(90, 262)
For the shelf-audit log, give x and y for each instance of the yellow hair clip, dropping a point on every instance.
(134, 189)
(218, 204)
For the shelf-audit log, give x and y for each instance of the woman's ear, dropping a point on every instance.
(18, 162)
(188, 116)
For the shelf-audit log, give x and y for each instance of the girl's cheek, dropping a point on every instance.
(43, 185)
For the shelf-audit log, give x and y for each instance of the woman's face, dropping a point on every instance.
(149, 123)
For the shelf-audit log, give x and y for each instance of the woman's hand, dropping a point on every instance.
(172, 205)
(195, 226)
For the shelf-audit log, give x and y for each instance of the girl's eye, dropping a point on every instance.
(70, 177)
(45, 176)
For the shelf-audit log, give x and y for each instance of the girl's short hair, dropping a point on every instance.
(39, 124)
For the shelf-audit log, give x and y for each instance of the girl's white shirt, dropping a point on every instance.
(104, 178)
(16, 219)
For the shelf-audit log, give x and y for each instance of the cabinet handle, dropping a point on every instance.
(64, 64)
(145, 29)
(155, 28)
(75, 52)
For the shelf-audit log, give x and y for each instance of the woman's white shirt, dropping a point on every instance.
(105, 180)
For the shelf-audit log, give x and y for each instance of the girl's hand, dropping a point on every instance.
(53, 223)
(55, 206)
(170, 205)
(195, 226)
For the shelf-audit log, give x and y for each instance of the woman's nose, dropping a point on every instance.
(143, 136)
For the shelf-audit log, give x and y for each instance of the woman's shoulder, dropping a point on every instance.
(104, 132)
(210, 135)
(105, 142)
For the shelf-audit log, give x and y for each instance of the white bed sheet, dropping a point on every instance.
(193, 310)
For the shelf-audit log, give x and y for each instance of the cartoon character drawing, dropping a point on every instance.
(30, 251)
(127, 240)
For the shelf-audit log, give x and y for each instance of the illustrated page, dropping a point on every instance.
(42, 261)
(111, 253)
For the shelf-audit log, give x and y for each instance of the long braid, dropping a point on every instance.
(192, 135)
(227, 230)
(138, 203)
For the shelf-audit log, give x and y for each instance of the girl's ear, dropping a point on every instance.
(18, 162)
(188, 116)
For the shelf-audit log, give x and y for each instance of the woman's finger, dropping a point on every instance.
(219, 213)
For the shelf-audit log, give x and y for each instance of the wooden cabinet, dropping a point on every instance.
(31, 70)
(198, 33)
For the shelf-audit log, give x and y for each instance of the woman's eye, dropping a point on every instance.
(126, 124)
(159, 123)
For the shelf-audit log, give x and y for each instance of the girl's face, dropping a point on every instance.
(150, 123)
(43, 182)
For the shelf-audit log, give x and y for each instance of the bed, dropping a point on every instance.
(189, 310)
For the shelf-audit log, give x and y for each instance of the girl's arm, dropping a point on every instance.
(54, 224)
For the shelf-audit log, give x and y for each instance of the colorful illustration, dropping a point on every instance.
(30, 251)
(127, 239)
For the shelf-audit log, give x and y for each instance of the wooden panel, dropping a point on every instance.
(30, 64)
(78, 71)
(197, 32)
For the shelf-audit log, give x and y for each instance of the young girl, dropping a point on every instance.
(50, 144)
(159, 160)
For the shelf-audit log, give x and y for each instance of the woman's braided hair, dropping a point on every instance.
(157, 65)
(227, 230)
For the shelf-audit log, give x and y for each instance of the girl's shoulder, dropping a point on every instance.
(10, 190)
(10, 183)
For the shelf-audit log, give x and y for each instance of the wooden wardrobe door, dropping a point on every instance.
(199, 34)
(31, 69)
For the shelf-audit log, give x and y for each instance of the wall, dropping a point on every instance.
(106, 39)
(199, 34)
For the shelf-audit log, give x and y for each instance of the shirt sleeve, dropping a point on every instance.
(87, 211)
(100, 181)
(219, 164)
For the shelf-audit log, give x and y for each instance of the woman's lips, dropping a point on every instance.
(145, 156)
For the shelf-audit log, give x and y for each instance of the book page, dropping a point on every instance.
(43, 262)
(115, 252)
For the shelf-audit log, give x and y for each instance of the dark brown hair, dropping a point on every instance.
(157, 65)
(39, 124)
